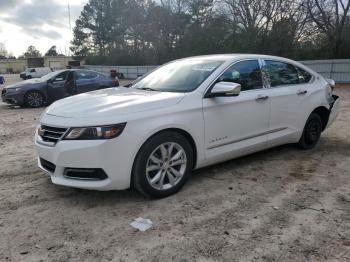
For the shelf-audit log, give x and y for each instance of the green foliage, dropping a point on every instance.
(52, 51)
(141, 32)
(31, 52)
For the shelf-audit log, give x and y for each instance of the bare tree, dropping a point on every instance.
(3, 51)
(252, 15)
(330, 17)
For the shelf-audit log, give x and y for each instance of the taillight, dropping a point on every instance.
(329, 93)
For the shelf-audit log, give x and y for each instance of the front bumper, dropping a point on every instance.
(114, 157)
(334, 110)
(12, 98)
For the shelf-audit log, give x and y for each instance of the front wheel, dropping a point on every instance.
(34, 99)
(312, 132)
(163, 165)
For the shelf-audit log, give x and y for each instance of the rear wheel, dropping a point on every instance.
(34, 99)
(163, 165)
(312, 132)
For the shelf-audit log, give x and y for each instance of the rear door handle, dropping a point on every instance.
(302, 92)
(261, 98)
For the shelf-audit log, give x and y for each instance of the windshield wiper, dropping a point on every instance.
(128, 85)
(147, 88)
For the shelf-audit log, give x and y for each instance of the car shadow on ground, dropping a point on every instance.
(214, 172)
(234, 168)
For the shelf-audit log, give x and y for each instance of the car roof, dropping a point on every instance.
(229, 57)
(75, 70)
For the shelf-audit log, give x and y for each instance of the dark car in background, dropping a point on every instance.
(55, 86)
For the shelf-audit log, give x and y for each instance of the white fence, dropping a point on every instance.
(339, 70)
(129, 72)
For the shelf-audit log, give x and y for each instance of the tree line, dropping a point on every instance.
(139, 32)
(29, 53)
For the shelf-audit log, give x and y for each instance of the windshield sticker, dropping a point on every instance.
(204, 68)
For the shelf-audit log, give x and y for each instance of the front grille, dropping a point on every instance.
(47, 165)
(3, 92)
(51, 134)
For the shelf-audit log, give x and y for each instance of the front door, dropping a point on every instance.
(56, 87)
(237, 125)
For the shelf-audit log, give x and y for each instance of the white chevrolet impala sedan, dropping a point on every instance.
(185, 115)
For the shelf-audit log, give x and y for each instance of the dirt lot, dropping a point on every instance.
(279, 205)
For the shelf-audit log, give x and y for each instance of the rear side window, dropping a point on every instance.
(304, 77)
(86, 75)
(91, 75)
(281, 73)
(246, 73)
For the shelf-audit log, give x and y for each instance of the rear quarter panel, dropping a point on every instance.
(316, 98)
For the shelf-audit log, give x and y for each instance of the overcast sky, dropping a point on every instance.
(42, 23)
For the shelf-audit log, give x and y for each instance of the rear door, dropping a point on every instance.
(86, 81)
(289, 91)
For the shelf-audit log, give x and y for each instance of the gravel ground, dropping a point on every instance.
(282, 204)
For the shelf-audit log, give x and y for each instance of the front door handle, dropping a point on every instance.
(261, 98)
(302, 92)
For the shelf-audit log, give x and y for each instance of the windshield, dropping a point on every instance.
(179, 76)
(50, 75)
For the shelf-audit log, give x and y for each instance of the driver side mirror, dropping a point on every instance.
(225, 89)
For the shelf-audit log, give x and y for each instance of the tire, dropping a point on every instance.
(312, 132)
(29, 77)
(167, 172)
(34, 99)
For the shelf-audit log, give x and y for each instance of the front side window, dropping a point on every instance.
(61, 77)
(281, 73)
(246, 73)
(179, 76)
(50, 76)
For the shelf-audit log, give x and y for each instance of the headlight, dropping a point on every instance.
(95, 133)
(16, 89)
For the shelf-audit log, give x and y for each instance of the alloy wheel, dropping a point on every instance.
(166, 166)
(35, 99)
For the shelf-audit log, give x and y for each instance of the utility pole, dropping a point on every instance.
(70, 24)
(70, 28)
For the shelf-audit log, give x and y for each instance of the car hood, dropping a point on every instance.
(31, 82)
(112, 101)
